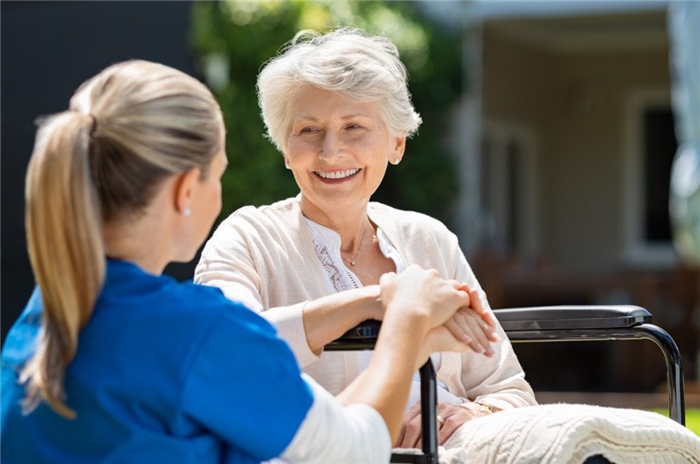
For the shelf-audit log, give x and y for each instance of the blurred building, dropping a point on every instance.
(566, 140)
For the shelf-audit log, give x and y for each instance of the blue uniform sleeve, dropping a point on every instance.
(245, 386)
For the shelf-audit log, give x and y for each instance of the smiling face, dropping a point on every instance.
(338, 150)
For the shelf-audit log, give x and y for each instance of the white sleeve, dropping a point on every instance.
(499, 380)
(334, 433)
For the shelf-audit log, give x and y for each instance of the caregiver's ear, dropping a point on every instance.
(184, 189)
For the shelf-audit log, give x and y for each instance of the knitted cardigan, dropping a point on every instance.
(264, 257)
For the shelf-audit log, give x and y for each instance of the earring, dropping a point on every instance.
(286, 163)
(396, 161)
(187, 212)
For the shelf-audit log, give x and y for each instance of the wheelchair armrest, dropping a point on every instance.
(535, 318)
(566, 323)
(571, 317)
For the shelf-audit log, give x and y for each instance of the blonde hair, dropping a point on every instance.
(347, 61)
(126, 130)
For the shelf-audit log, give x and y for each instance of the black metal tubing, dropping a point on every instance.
(350, 345)
(428, 397)
(672, 357)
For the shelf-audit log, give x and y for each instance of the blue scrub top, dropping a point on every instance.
(165, 372)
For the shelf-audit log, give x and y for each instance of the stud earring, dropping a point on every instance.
(187, 212)
(396, 161)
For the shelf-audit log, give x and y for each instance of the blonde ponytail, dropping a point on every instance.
(128, 128)
(65, 249)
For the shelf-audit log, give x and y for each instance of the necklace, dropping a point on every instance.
(359, 248)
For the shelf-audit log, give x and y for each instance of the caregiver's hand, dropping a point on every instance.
(439, 339)
(425, 292)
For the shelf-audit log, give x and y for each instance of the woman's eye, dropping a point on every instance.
(308, 130)
(353, 126)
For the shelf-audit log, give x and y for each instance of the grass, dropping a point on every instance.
(692, 418)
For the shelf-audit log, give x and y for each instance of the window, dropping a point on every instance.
(650, 148)
(508, 190)
(659, 149)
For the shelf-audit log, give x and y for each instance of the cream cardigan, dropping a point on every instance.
(264, 258)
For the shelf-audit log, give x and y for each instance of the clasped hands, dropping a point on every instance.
(459, 323)
(459, 320)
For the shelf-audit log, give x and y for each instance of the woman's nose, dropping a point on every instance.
(332, 146)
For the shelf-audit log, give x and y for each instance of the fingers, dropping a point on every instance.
(488, 331)
(410, 415)
(479, 334)
(412, 433)
(458, 332)
(450, 418)
(476, 305)
(448, 427)
(468, 328)
(462, 320)
(454, 417)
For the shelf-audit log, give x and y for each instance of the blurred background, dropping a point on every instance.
(547, 145)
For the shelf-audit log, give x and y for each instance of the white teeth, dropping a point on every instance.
(337, 174)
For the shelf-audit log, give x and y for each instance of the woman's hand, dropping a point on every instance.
(439, 339)
(424, 292)
(474, 326)
(450, 418)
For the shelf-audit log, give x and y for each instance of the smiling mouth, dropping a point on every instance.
(335, 175)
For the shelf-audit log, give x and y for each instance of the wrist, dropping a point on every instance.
(483, 408)
(412, 315)
(372, 308)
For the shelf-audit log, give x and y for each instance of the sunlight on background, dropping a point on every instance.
(684, 26)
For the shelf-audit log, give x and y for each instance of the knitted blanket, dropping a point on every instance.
(569, 433)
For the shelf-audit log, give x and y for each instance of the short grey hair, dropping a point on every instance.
(346, 60)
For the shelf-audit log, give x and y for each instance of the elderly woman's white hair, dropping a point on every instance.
(347, 61)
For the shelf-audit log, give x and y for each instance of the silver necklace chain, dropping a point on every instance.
(359, 248)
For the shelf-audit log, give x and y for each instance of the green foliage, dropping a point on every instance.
(692, 418)
(233, 39)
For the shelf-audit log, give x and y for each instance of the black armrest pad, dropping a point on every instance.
(539, 318)
(363, 331)
(571, 317)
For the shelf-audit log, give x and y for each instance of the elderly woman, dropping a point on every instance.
(338, 108)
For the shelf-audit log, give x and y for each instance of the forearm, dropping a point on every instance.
(327, 318)
(333, 433)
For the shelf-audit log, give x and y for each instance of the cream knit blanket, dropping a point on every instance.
(569, 433)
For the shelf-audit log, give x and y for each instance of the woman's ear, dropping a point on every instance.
(398, 149)
(185, 190)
